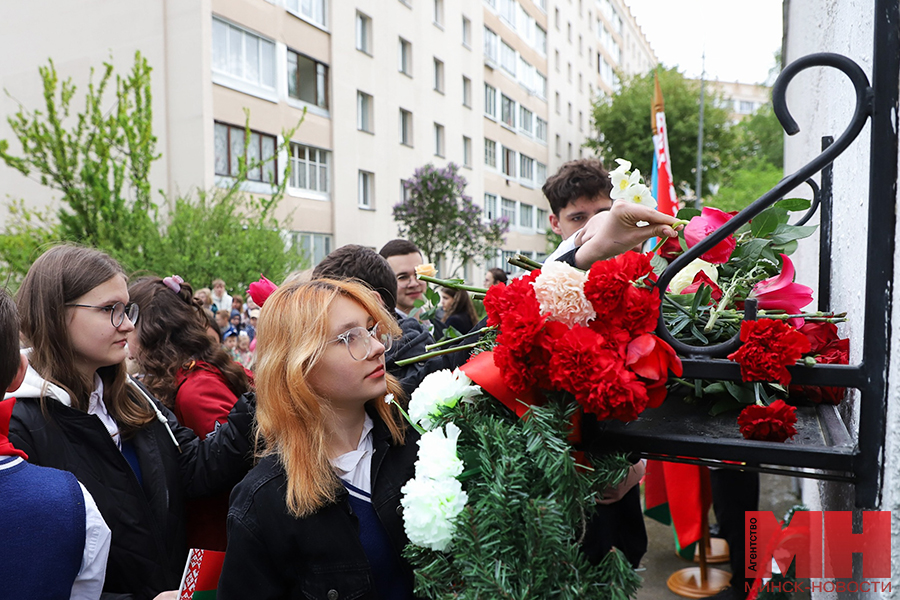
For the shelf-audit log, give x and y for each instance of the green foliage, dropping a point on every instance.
(442, 220)
(100, 160)
(100, 164)
(745, 185)
(623, 121)
(519, 535)
(223, 233)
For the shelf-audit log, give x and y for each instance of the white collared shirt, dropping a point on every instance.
(355, 467)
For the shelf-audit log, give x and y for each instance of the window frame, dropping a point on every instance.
(310, 165)
(318, 65)
(365, 112)
(365, 193)
(232, 165)
(406, 128)
(439, 140)
(405, 57)
(364, 33)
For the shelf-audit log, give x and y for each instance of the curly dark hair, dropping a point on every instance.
(172, 334)
(576, 179)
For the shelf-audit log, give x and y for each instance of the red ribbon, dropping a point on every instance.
(6, 447)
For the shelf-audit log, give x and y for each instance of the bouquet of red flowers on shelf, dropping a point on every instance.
(589, 334)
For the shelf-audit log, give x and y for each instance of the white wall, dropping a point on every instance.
(821, 101)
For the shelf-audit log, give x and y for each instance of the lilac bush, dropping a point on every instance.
(442, 220)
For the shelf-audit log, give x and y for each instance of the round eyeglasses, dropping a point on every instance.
(117, 312)
(359, 340)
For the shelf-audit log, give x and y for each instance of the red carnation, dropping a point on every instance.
(769, 346)
(609, 279)
(835, 352)
(639, 311)
(579, 361)
(773, 423)
(621, 397)
(502, 298)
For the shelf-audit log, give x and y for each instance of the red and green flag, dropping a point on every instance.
(201, 575)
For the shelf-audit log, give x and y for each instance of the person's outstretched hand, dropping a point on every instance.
(620, 229)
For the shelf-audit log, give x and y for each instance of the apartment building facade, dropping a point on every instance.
(501, 87)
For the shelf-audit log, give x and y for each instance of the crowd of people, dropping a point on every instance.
(149, 417)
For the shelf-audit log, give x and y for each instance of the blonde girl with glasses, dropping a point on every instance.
(79, 411)
(319, 516)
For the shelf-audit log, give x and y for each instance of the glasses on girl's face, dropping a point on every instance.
(359, 340)
(117, 312)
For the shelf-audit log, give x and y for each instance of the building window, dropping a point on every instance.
(526, 120)
(439, 76)
(526, 216)
(540, 129)
(366, 190)
(557, 102)
(243, 55)
(490, 207)
(569, 111)
(438, 140)
(466, 32)
(508, 210)
(406, 124)
(569, 35)
(556, 60)
(509, 162)
(404, 191)
(467, 92)
(526, 167)
(580, 121)
(556, 17)
(258, 155)
(363, 33)
(467, 152)
(508, 58)
(313, 11)
(491, 45)
(569, 72)
(542, 220)
(364, 105)
(569, 155)
(490, 101)
(405, 58)
(490, 153)
(314, 246)
(558, 145)
(439, 13)
(307, 79)
(540, 39)
(309, 168)
(508, 110)
(540, 173)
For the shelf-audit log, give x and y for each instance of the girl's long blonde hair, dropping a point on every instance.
(292, 335)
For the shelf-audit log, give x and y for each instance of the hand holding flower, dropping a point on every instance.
(620, 229)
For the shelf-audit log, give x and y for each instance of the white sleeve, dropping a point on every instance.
(567, 245)
(97, 537)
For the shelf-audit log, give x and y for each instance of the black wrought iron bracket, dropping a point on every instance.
(827, 451)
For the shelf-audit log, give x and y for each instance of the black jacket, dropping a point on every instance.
(272, 554)
(412, 343)
(148, 551)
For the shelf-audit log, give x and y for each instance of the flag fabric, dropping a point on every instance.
(661, 181)
(678, 494)
(201, 575)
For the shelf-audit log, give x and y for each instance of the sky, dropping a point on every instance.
(740, 37)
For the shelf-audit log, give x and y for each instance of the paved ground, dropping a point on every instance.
(776, 493)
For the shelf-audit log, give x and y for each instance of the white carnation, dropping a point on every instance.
(439, 389)
(685, 277)
(437, 454)
(560, 291)
(429, 507)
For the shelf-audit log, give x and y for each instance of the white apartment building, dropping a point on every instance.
(501, 87)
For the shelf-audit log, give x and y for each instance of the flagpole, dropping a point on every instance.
(699, 180)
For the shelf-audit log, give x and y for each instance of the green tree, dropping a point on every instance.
(624, 126)
(443, 221)
(745, 185)
(100, 160)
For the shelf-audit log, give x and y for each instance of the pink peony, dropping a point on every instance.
(702, 227)
(261, 290)
(781, 293)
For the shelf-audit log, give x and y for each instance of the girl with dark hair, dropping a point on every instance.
(194, 377)
(78, 411)
(459, 312)
(319, 516)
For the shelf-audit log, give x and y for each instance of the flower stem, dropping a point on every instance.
(450, 283)
(521, 264)
(443, 343)
(683, 382)
(427, 355)
(415, 426)
(720, 307)
(528, 261)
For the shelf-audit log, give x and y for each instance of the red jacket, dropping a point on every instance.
(202, 403)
